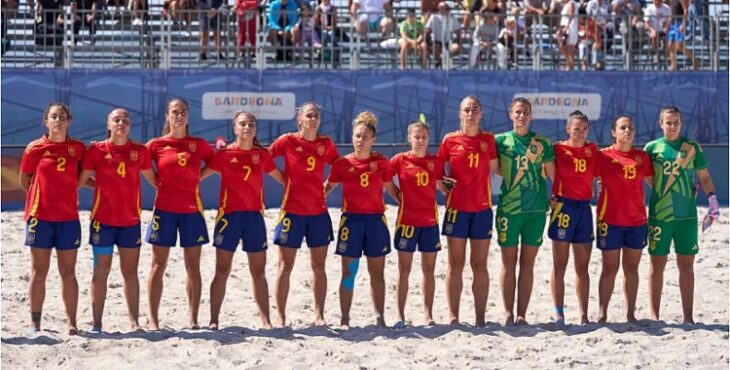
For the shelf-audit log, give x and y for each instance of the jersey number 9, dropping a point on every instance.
(311, 163)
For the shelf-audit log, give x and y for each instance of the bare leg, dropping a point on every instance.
(194, 283)
(98, 287)
(287, 257)
(524, 284)
(257, 268)
(480, 284)
(561, 254)
(686, 285)
(347, 286)
(581, 260)
(128, 263)
(319, 286)
(405, 262)
(611, 262)
(40, 260)
(507, 282)
(69, 286)
(656, 283)
(630, 262)
(155, 283)
(376, 268)
(223, 262)
(428, 284)
(454, 283)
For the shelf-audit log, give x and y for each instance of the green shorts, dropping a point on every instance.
(683, 232)
(529, 227)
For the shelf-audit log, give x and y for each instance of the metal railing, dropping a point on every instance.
(244, 39)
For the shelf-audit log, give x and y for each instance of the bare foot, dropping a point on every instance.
(380, 322)
(601, 320)
(631, 319)
(72, 330)
(480, 324)
(521, 321)
(345, 324)
(688, 320)
(509, 320)
(194, 326)
(320, 322)
(584, 320)
(213, 326)
(153, 325)
(454, 321)
(429, 321)
(281, 322)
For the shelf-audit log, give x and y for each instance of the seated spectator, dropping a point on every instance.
(209, 20)
(246, 13)
(139, 10)
(305, 31)
(597, 12)
(326, 17)
(84, 14)
(411, 38)
(656, 20)
(623, 11)
(535, 10)
(429, 7)
(442, 29)
(181, 11)
(283, 15)
(554, 12)
(506, 43)
(485, 36)
(49, 22)
(370, 15)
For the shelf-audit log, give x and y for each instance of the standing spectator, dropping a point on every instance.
(247, 11)
(442, 29)
(209, 20)
(49, 23)
(535, 10)
(555, 9)
(326, 16)
(411, 38)
(84, 13)
(283, 15)
(597, 11)
(139, 10)
(370, 15)
(656, 21)
(484, 38)
(429, 7)
(568, 32)
(506, 43)
(180, 10)
(680, 13)
(305, 31)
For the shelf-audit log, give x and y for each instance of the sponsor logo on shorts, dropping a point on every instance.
(283, 237)
(265, 246)
(561, 233)
(403, 243)
(218, 239)
(448, 229)
(201, 239)
(95, 238)
(386, 249)
(77, 242)
(341, 246)
(438, 246)
(695, 247)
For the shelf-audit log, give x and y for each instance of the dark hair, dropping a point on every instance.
(472, 97)
(576, 115)
(522, 100)
(417, 124)
(63, 107)
(615, 122)
(108, 131)
(668, 109)
(243, 113)
(366, 118)
(300, 110)
(166, 129)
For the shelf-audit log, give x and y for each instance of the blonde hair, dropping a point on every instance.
(366, 118)
(166, 129)
(418, 124)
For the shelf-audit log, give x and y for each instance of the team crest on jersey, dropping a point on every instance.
(193, 146)
(483, 146)
(134, 155)
(683, 153)
(533, 149)
(218, 239)
(72, 151)
(95, 238)
(588, 152)
(373, 166)
(431, 166)
(341, 246)
(561, 233)
(255, 159)
(638, 160)
(320, 150)
(403, 243)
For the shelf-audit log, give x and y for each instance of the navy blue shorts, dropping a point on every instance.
(612, 237)
(101, 235)
(571, 221)
(291, 230)
(473, 225)
(427, 238)
(235, 227)
(363, 234)
(163, 229)
(63, 235)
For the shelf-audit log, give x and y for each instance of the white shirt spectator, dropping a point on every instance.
(657, 17)
(442, 27)
(372, 8)
(599, 12)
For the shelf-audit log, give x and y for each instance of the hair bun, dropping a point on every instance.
(367, 118)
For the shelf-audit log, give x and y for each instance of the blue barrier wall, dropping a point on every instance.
(397, 97)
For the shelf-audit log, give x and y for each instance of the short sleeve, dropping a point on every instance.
(443, 152)
(146, 159)
(549, 154)
(151, 148)
(439, 173)
(700, 161)
(648, 168)
(267, 161)
(278, 147)
(29, 161)
(207, 151)
(492, 148)
(387, 170)
(332, 153)
(336, 172)
(87, 163)
(395, 163)
(215, 163)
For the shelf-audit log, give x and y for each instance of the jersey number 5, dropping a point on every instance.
(181, 160)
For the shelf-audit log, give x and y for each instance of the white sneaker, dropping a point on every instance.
(137, 22)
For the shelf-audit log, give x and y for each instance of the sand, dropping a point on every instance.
(241, 344)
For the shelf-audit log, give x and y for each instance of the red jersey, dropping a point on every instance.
(574, 170)
(304, 169)
(178, 172)
(417, 182)
(242, 177)
(53, 194)
(362, 182)
(469, 158)
(118, 196)
(621, 202)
